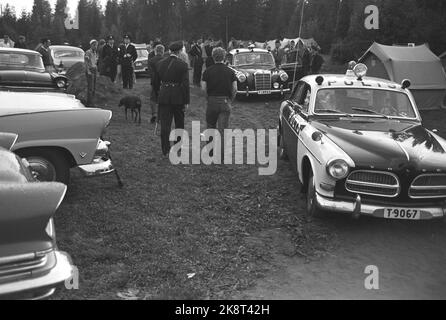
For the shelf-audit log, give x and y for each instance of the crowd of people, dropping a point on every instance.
(168, 69)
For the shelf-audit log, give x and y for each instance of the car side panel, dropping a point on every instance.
(77, 131)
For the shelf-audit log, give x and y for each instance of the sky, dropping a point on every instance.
(28, 4)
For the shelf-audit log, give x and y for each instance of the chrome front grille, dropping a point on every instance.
(263, 81)
(373, 183)
(428, 186)
(21, 265)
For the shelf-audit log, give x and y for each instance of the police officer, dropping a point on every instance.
(171, 85)
(127, 58)
(159, 55)
(109, 58)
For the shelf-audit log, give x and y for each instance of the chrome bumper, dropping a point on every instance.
(102, 164)
(256, 92)
(358, 208)
(59, 274)
(99, 167)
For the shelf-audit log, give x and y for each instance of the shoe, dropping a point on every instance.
(153, 120)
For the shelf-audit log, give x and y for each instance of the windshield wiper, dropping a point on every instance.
(371, 112)
(332, 111)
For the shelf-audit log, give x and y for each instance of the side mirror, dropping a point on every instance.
(7, 140)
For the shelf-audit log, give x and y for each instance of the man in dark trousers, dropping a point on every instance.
(127, 58)
(171, 84)
(159, 55)
(110, 59)
(197, 53)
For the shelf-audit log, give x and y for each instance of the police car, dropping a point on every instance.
(359, 147)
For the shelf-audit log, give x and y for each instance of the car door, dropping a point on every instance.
(295, 120)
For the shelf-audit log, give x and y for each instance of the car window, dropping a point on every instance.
(360, 101)
(143, 53)
(253, 58)
(68, 54)
(12, 60)
(302, 96)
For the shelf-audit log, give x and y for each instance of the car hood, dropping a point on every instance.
(251, 69)
(14, 76)
(387, 144)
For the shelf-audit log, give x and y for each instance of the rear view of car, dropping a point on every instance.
(65, 57)
(141, 64)
(31, 266)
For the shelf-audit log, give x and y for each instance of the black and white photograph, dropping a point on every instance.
(221, 156)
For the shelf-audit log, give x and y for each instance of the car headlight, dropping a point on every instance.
(284, 76)
(241, 77)
(276, 85)
(338, 169)
(61, 83)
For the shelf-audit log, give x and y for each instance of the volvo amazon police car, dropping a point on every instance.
(359, 147)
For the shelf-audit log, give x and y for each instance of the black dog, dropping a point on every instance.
(134, 104)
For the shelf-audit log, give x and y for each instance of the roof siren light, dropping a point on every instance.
(360, 70)
(406, 84)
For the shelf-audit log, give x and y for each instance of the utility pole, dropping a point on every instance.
(304, 2)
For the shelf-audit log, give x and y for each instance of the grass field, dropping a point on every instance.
(185, 232)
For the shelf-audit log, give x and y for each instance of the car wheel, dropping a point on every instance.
(48, 166)
(312, 210)
(283, 155)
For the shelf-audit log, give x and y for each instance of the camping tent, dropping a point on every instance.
(418, 64)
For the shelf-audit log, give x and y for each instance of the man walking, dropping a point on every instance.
(91, 69)
(171, 84)
(127, 58)
(197, 53)
(110, 59)
(278, 53)
(44, 50)
(220, 85)
(159, 55)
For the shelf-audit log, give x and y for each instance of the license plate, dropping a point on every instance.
(402, 214)
(265, 92)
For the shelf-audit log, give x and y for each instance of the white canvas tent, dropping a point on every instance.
(418, 64)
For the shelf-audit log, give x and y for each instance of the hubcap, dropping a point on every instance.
(42, 169)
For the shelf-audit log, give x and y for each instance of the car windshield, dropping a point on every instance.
(253, 58)
(72, 54)
(364, 102)
(20, 61)
(143, 53)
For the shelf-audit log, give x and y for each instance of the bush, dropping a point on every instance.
(78, 84)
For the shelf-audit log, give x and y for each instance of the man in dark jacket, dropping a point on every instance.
(109, 57)
(159, 55)
(21, 44)
(197, 53)
(127, 58)
(171, 85)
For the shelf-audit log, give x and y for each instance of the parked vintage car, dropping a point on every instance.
(360, 148)
(257, 73)
(23, 70)
(64, 57)
(56, 133)
(31, 266)
(142, 63)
